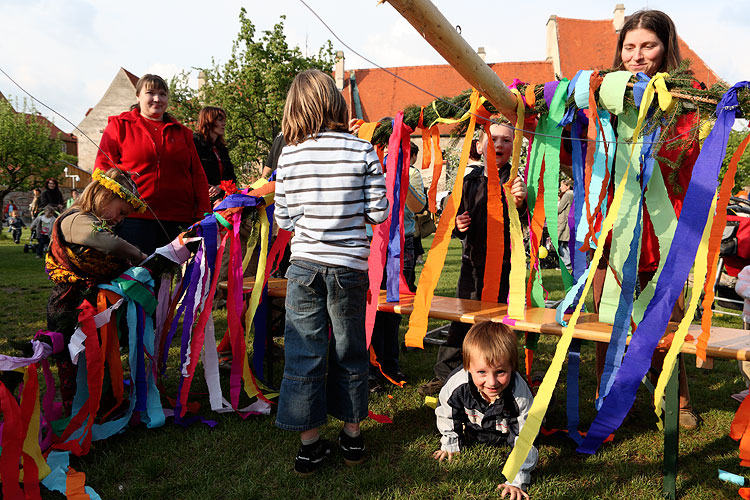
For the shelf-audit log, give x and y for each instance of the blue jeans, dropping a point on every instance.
(323, 374)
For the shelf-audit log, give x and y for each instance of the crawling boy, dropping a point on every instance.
(486, 401)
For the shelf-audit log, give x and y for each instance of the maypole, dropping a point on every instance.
(435, 28)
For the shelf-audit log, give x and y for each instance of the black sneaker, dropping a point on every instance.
(311, 456)
(353, 449)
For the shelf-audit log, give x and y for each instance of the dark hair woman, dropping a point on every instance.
(212, 151)
(52, 195)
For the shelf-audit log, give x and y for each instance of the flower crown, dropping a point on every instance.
(120, 190)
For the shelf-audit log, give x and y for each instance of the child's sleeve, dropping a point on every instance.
(376, 203)
(450, 427)
(82, 230)
(524, 399)
(281, 212)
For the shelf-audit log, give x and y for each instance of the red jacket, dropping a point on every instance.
(173, 184)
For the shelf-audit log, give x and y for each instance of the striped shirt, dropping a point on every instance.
(327, 188)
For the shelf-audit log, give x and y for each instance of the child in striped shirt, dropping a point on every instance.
(329, 184)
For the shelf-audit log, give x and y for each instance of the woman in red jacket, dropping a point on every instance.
(159, 151)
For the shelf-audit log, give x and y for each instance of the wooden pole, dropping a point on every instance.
(435, 28)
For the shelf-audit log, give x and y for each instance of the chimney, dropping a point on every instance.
(619, 18)
(339, 70)
(482, 53)
(201, 83)
(552, 46)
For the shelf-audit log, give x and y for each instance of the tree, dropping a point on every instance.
(251, 87)
(742, 178)
(27, 153)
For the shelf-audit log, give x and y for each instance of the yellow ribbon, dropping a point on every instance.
(31, 441)
(448, 121)
(516, 295)
(699, 276)
(538, 409)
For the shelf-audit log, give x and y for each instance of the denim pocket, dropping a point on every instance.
(301, 296)
(350, 293)
(347, 278)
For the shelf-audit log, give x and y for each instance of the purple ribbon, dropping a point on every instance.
(695, 212)
(549, 91)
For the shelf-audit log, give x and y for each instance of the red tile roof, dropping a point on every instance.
(133, 79)
(586, 44)
(382, 94)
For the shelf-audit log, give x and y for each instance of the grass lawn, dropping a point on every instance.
(241, 459)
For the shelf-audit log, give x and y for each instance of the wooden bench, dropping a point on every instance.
(725, 343)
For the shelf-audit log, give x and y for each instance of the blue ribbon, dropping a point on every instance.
(393, 262)
(695, 212)
(574, 363)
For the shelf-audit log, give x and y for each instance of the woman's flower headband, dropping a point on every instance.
(120, 190)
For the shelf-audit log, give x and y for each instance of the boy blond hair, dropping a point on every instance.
(494, 342)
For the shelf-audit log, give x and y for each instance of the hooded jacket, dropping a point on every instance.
(173, 182)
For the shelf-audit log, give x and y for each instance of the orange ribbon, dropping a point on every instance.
(428, 279)
(725, 192)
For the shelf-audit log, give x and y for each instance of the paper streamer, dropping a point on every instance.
(529, 431)
(428, 279)
(698, 200)
(670, 360)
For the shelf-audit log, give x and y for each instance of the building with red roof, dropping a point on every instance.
(571, 45)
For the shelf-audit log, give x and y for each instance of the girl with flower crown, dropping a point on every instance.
(84, 253)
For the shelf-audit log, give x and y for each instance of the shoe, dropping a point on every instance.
(740, 396)
(310, 457)
(225, 361)
(353, 449)
(398, 376)
(374, 386)
(689, 419)
(432, 387)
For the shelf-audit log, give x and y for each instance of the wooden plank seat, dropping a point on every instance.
(725, 343)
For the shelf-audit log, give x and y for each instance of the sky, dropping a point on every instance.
(66, 52)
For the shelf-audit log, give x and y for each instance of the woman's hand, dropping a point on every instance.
(518, 190)
(441, 455)
(514, 492)
(213, 191)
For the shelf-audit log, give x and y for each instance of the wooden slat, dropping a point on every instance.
(725, 343)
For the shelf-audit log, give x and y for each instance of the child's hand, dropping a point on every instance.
(463, 221)
(518, 190)
(354, 124)
(441, 455)
(515, 492)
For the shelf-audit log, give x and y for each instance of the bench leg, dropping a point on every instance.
(672, 432)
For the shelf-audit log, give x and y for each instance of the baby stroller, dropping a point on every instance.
(30, 247)
(734, 255)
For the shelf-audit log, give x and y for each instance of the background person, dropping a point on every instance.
(563, 229)
(148, 142)
(72, 199)
(35, 204)
(212, 150)
(52, 196)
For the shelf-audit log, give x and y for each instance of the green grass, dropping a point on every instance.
(252, 459)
